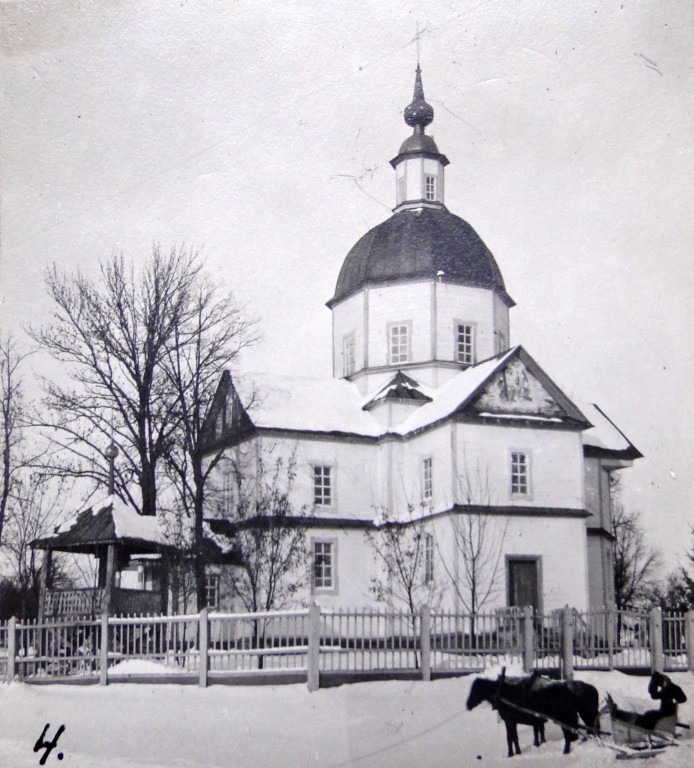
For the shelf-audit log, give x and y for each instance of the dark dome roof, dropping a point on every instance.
(418, 243)
(418, 142)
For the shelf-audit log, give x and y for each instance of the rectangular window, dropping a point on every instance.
(323, 565)
(212, 590)
(428, 558)
(399, 343)
(465, 343)
(502, 342)
(402, 190)
(348, 358)
(520, 481)
(227, 489)
(427, 479)
(430, 187)
(228, 413)
(322, 486)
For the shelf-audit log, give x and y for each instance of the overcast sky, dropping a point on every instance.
(261, 132)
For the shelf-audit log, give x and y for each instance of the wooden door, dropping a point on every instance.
(523, 582)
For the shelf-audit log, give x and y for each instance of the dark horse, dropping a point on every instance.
(513, 688)
(586, 696)
(660, 688)
(537, 695)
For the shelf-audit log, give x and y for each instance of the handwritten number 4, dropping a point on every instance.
(49, 746)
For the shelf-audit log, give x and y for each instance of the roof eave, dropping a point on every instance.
(420, 153)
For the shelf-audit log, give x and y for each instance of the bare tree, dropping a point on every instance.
(206, 341)
(475, 565)
(636, 562)
(270, 535)
(269, 538)
(113, 335)
(12, 420)
(36, 506)
(403, 548)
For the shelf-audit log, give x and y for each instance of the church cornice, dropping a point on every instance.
(425, 279)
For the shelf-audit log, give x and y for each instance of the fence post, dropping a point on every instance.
(203, 647)
(656, 633)
(103, 661)
(12, 649)
(689, 638)
(610, 618)
(313, 656)
(425, 642)
(567, 645)
(528, 639)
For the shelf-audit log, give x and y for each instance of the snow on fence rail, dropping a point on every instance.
(310, 642)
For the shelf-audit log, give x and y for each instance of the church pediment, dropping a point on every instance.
(227, 416)
(520, 388)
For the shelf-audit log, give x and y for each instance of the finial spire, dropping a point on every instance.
(417, 38)
(418, 114)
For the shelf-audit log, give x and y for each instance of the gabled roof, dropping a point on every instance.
(472, 392)
(298, 403)
(335, 407)
(402, 388)
(107, 522)
(605, 438)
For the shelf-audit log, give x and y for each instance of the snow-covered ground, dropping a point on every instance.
(369, 724)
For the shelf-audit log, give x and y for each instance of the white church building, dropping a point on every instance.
(431, 412)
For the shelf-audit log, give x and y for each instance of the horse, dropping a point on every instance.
(488, 690)
(551, 699)
(586, 695)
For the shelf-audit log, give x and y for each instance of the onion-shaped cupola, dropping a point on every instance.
(419, 164)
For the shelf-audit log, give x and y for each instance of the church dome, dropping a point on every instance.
(420, 243)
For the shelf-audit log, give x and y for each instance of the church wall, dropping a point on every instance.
(355, 569)
(355, 471)
(556, 463)
(408, 471)
(598, 501)
(559, 544)
(407, 302)
(459, 303)
(502, 326)
(600, 572)
(592, 488)
(348, 317)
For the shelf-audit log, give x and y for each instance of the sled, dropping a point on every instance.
(629, 741)
(634, 741)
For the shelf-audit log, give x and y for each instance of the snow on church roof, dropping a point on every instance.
(308, 404)
(335, 405)
(328, 405)
(449, 396)
(604, 434)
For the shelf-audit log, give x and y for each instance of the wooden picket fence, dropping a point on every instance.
(317, 645)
